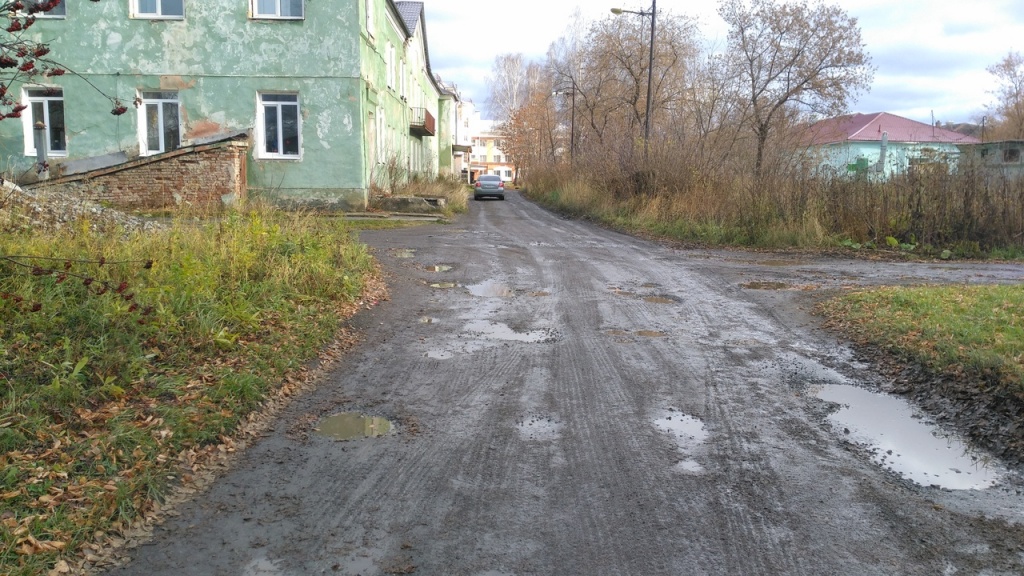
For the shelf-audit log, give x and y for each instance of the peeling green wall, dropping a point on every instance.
(218, 59)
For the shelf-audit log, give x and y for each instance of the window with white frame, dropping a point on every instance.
(159, 123)
(287, 9)
(370, 27)
(45, 105)
(58, 11)
(389, 64)
(280, 126)
(171, 9)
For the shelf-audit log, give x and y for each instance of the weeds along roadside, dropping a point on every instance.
(968, 214)
(120, 352)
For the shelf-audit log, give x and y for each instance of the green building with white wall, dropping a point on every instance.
(334, 97)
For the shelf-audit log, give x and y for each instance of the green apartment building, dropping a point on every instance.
(331, 97)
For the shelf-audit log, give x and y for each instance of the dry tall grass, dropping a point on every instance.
(969, 212)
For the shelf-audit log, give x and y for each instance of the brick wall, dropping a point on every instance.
(204, 175)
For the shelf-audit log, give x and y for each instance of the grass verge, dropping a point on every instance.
(121, 354)
(958, 351)
(975, 330)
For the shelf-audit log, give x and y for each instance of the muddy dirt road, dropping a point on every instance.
(568, 400)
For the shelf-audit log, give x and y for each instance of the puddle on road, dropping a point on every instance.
(439, 268)
(648, 285)
(651, 334)
(688, 433)
(490, 289)
(659, 300)
(440, 354)
(429, 320)
(403, 253)
(765, 285)
(539, 428)
(499, 331)
(538, 294)
(353, 426)
(897, 441)
(444, 285)
(780, 263)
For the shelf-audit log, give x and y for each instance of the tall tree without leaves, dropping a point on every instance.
(794, 58)
(23, 60)
(1010, 106)
(509, 85)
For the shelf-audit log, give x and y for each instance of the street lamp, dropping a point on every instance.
(572, 121)
(653, 13)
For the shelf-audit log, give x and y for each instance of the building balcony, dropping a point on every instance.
(422, 123)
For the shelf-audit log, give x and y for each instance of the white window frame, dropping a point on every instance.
(389, 64)
(27, 119)
(53, 14)
(159, 14)
(276, 15)
(371, 26)
(159, 102)
(261, 123)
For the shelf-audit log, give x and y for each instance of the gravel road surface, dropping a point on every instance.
(561, 399)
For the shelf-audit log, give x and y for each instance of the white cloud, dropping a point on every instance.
(930, 55)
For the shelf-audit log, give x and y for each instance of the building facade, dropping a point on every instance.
(881, 145)
(335, 97)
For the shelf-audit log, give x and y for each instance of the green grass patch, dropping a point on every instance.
(952, 329)
(119, 351)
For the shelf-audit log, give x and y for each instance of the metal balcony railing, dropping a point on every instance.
(422, 123)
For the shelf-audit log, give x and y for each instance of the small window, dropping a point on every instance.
(280, 125)
(45, 105)
(370, 28)
(159, 123)
(58, 11)
(1011, 156)
(171, 9)
(289, 9)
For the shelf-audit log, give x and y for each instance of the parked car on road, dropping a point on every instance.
(489, 185)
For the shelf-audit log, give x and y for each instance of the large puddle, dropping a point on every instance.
(405, 253)
(899, 442)
(688, 433)
(353, 426)
(499, 331)
(490, 289)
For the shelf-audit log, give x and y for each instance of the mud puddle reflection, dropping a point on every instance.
(353, 426)
(504, 332)
(688, 433)
(490, 289)
(898, 442)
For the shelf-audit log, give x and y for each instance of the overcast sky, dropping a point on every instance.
(930, 55)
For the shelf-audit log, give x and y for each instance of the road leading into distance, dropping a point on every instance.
(567, 400)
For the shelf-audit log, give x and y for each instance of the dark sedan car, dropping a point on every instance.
(489, 185)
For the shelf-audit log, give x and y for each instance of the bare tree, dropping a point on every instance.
(508, 84)
(793, 59)
(1010, 106)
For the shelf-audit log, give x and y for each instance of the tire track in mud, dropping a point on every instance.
(545, 457)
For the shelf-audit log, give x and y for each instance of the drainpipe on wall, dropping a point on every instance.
(41, 142)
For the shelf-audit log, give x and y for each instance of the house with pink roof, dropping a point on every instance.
(882, 145)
